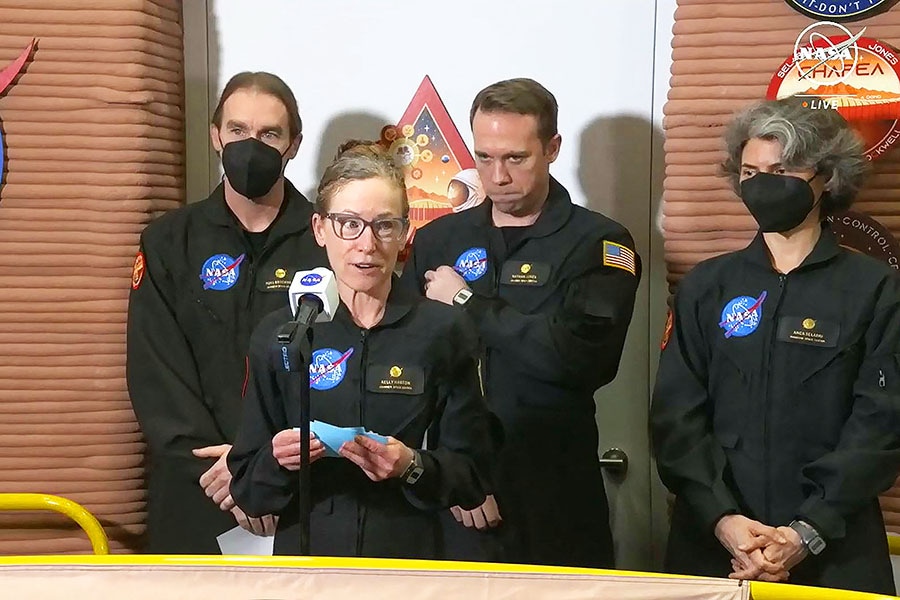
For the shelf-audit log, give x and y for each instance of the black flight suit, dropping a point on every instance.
(778, 397)
(415, 373)
(190, 318)
(552, 317)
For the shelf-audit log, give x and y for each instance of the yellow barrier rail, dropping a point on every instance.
(894, 543)
(73, 510)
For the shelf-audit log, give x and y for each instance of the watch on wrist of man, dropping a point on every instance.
(811, 539)
(414, 471)
(462, 296)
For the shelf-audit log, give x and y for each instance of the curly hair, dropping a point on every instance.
(357, 160)
(818, 139)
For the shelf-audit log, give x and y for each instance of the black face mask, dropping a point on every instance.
(779, 203)
(252, 167)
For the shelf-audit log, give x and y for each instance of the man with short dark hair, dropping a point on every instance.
(205, 275)
(551, 287)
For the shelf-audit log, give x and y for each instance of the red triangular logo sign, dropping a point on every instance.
(440, 172)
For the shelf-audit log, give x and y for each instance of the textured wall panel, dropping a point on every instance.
(93, 138)
(724, 54)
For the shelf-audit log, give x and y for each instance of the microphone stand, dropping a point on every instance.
(295, 340)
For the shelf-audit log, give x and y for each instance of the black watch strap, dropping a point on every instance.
(414, 471)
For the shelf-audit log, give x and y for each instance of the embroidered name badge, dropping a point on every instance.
(276, 280)
(220, 272)
(805, 330)
(516, 272)
(472, 264)
(396, 379)
(619, 256)
(327, 368)
(742, 315)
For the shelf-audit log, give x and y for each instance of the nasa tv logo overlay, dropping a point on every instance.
(840, 10)
(832, 68)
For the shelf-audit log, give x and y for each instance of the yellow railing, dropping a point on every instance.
(73, 510)
(761, 590)
(894, 544)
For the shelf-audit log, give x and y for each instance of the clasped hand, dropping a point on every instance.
(759, 551)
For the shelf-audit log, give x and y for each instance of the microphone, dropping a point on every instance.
(313, 292)
(313, 297)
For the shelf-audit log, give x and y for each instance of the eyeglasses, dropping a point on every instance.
(350, 227)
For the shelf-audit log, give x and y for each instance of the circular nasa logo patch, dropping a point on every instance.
(742, 315)
(220, 272)
(472, 264)
(311, 279)
(327, 368)
(840, 10)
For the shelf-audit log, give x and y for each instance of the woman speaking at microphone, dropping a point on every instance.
(396, 365)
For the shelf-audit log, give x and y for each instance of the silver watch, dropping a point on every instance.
(462, 296)
(811, 539)
(414, 470)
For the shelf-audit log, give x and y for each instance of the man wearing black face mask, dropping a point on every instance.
(775, 413)
(204, 277)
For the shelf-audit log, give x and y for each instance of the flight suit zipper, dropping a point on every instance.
(360, 508)
(770, 342)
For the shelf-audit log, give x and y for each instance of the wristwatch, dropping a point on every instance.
(462, 296)
(809, 536)
(414, 471)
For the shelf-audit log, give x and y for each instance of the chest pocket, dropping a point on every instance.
(396, 400)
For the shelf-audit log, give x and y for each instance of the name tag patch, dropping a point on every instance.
(276, 280)
(396, 379)
(809, 331)
(516, 272)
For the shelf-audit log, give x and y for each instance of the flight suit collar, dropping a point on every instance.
(825, 249)
(556, 212)
(400, 301)
(294, 218)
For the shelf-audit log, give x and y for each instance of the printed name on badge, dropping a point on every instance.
(397, 379)
(517, 272)
(806, 330)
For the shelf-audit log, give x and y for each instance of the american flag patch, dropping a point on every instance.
(619, 256)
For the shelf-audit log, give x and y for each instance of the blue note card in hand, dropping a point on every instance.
(333, 437)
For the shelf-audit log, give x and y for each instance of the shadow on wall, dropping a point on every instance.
(614, 171)
(343, 127)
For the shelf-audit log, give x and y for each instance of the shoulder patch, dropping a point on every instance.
(667, 332)
(137, 271)
(619, 256)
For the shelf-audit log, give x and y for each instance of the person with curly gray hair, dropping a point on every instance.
(777, 401)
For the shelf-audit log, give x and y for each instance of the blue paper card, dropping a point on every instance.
(333, 437)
